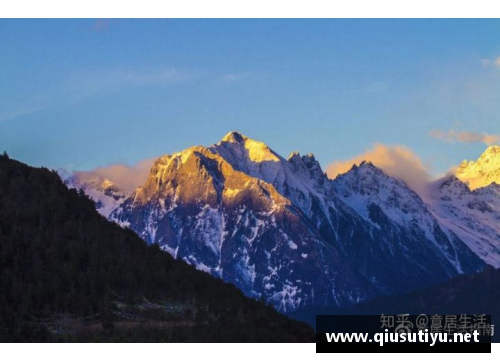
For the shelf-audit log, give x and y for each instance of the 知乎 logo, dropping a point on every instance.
(403, 324)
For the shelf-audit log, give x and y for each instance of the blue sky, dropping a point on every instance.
(79, 94)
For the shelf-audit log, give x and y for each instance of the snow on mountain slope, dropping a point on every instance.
(473, 215)
(483, 172)
(409, 230)
(366, 184)
(105, 194)
(298, 178)
(292, 178)
(199, 208)
(302, 181)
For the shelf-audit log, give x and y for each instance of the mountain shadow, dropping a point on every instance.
(467, 294)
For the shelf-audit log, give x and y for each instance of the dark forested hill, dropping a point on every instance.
(68, 274)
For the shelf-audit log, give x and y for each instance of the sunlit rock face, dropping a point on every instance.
(280, 230)
(197, 207)
(482, 172)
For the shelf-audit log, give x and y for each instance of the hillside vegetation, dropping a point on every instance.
(68, 274)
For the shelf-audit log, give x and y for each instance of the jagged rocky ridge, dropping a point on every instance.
(411, 242)
(473, 215)
(280, 230)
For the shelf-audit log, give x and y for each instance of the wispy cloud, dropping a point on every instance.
(78, 87)
(397, 161)
(126, 177)
(465, 137)
(22, 111)
(124, 78)
(232, 78)
(491, 62)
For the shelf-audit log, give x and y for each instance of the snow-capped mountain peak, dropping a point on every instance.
(200, 206)
(473, 215)
(299, 178)
(106, 195)
(234, 137)
(452, 186)
(482, 172)
(254, 151)
(367, 184)
(391, 206)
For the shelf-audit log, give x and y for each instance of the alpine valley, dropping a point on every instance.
(280, 230)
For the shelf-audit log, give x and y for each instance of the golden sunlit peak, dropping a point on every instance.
(482, 172)
(234, 137)
(295, 158)
(256, 151)
(107, 183)
(493, 149)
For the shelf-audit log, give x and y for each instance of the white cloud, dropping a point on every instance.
(125, 177)
(396, 161)
(488, 62)
(465, 137)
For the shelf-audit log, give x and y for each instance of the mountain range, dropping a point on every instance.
(281, 230)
